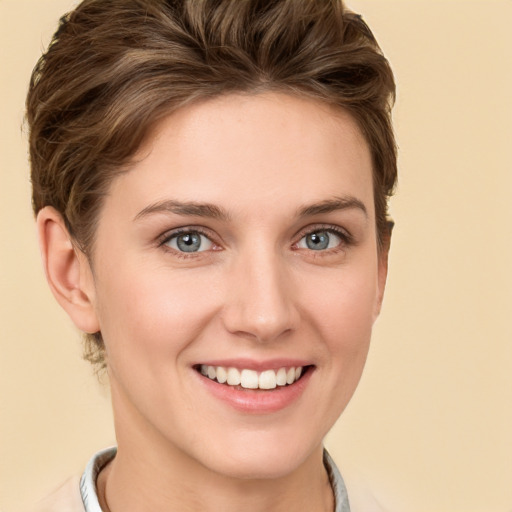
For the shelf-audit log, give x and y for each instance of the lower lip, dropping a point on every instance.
(257, 401)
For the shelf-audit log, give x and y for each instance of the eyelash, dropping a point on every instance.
(345, 237)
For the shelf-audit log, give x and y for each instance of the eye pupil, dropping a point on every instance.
(318, 241)
(189, 242)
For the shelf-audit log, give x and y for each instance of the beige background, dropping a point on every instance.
(430, 428)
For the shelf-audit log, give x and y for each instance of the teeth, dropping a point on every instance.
(222, 374)
(251, 379)
(281, 377)
(233, 377)
(267, 379)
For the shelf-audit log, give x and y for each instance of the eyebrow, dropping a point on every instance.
(332, 205)
(184, 208)
(212, 211)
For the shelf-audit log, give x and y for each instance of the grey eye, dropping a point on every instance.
(189, 242)
(319, 240)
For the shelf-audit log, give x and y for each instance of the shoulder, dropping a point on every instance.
(66, 498)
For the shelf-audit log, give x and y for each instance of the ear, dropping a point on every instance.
(382, 269)
(67, 270)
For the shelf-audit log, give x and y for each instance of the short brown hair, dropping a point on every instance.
(115, 67)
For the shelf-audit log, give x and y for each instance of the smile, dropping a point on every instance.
(252, 379)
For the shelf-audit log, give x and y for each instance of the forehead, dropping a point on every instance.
(240, 149)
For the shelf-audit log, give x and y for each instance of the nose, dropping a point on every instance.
(260, 299)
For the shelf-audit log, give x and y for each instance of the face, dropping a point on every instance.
(236, 282)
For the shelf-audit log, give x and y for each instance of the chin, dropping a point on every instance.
(262, 460)
(250, 469)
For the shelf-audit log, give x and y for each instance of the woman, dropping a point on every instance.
(211, 181)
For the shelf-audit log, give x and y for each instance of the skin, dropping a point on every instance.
(256, 291)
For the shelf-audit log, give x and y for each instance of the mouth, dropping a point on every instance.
(248, 379)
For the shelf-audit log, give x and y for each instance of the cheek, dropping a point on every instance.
(344, 316)
(344, 309)
(149, 316)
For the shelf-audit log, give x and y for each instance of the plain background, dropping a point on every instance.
(430, 427)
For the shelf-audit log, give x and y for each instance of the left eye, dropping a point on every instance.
(319, 240)
(191, 241)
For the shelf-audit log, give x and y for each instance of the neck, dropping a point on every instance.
(118, 491)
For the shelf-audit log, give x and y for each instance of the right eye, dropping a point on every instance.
(189, 242)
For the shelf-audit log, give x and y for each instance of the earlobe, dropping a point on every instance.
(67, 270)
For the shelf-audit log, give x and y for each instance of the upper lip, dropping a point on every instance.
(252, 364)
